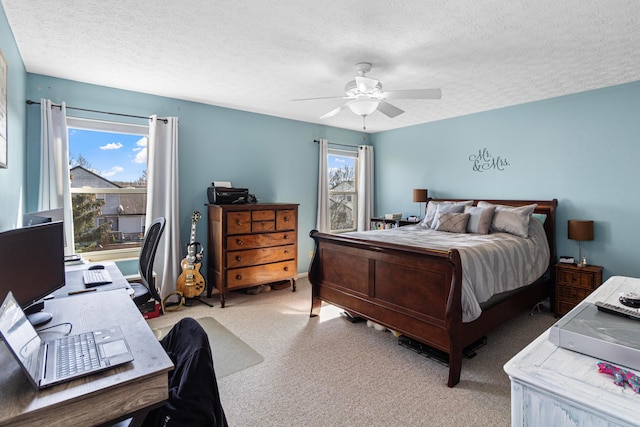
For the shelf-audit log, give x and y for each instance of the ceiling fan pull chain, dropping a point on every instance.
(364, 122)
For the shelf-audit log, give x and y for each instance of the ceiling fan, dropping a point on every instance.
(365, 95)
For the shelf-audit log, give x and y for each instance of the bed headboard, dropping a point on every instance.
(547, 207)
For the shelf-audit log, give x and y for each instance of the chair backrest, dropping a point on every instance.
(148, 255)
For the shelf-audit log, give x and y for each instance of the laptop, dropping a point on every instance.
(50, 362)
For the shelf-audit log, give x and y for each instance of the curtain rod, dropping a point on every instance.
(30, 102)
(317, 141)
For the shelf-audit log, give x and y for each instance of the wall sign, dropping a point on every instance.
(483, 161)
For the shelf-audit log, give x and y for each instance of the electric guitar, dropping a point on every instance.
(190, 282)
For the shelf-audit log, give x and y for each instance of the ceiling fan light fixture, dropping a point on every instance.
(364, 107)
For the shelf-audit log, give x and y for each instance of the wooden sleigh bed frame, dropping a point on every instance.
(417, 292)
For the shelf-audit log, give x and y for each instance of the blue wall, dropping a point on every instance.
(582, 149)
(275, 158)
(12, 179)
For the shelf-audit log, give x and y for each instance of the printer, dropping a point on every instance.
(227, 195)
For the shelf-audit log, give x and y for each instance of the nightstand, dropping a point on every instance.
(381, 223)
(573, 284)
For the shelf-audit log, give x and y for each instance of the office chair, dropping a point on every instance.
(146, 290)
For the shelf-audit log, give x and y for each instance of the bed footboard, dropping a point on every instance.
(415, 292)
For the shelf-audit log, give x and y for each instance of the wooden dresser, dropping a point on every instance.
(251, 244)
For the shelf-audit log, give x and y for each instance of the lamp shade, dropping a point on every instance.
(580, 230)
(420, 195)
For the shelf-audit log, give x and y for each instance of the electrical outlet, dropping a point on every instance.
(310, 254)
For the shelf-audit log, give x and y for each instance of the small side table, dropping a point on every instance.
(573, 284)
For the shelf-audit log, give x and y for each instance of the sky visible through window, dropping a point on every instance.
(339, 162)
(114, 156)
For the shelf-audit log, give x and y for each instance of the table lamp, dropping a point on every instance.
(420, 196)
(580, 231)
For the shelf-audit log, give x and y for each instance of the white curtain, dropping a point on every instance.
(365, 186)
(162, 198)
(323, 223)
(54, 166)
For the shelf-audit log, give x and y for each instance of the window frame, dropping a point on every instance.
(109, 127)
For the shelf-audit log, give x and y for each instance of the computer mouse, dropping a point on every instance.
(96, 267)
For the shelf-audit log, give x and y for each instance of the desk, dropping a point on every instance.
(110, 395)
(74, 281)
(554, 386)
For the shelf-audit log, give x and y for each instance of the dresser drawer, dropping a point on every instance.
(238, 222)
(573, 294)
(263, 215)
(249, 276)
(251, 241)
(263, 226)
(260, 256)
(286, 219)
(575, 278)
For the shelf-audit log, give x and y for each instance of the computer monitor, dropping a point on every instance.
(32, 266)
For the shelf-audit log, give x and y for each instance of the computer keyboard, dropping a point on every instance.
(96, 277)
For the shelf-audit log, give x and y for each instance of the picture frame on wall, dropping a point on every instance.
(4, 123)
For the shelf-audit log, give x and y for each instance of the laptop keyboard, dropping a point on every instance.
(76, 353)
(96, 277)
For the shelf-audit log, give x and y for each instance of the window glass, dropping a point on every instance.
(108, 173)
(343, 196)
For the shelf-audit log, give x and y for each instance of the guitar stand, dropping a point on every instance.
(187, 301)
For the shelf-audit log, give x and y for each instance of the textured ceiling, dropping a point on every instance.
(258, 55)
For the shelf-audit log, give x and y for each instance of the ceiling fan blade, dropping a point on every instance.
(413, 94)
(389, 110)
(334, 111)
(322, 97)
(366, 84)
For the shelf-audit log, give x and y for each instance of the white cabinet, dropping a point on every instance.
(552, 386)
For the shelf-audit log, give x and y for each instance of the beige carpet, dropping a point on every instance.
(230, 353)
(325, 371)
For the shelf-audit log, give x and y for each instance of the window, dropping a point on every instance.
(108, 166)
(343, 190)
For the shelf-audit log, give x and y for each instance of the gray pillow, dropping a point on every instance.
(446, 208)
(479, 219)
(452, 222)
(512, 220)
(432, 207)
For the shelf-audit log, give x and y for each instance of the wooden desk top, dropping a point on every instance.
(98, 398)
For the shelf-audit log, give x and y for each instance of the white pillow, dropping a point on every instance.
(432, 207)
(510, 219)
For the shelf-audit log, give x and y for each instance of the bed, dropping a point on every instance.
(418, 291)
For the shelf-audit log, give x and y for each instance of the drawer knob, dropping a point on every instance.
(286, 219)
(286, 269)
(239, 276)
(239, 242)
(238, 258)
(286, 237)
(239, 222)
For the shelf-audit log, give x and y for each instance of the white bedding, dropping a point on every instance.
(491, 263)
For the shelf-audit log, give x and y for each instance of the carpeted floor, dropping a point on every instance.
(325, 371)
(230, 353)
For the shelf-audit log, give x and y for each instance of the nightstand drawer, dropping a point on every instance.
(574, 294)
(574, 278)
(563, 307)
